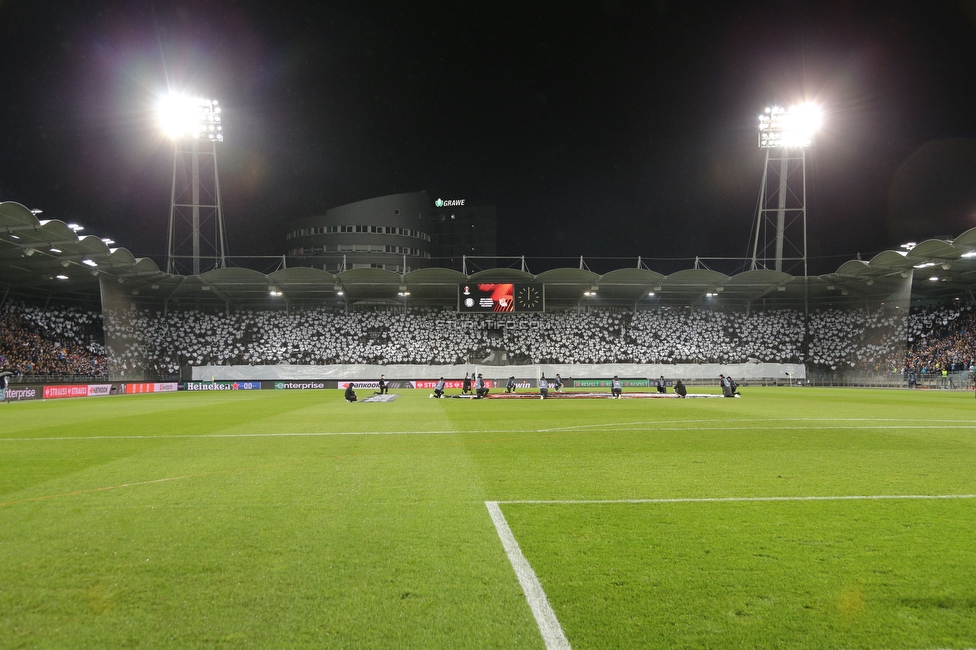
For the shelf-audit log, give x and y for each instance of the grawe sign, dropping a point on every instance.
(448, 203)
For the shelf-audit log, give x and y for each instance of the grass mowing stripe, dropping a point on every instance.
(647, 424)
(147, 482)
(270, 435)
(552, 632)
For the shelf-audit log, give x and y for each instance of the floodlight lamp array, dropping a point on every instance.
(197, 119)
(787, 128)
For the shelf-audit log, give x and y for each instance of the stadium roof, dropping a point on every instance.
(43, 259)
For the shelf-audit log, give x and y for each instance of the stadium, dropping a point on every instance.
(271, 512)
(487, 367)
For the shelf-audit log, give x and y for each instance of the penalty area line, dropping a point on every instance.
(852, 497)
(535, 595)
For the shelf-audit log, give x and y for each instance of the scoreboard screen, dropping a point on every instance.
(501, 297)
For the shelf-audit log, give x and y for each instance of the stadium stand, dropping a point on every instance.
(69, 341)
(51, 342)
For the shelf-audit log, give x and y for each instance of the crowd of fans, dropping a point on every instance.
(37, 341)
(60, 341)
(942, 338)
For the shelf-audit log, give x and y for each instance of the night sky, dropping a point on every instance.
(598, 129)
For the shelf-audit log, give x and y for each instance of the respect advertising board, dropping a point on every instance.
(606, 383)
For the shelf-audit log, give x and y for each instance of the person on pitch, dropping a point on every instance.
(466, 385)
(679, 388)
(383, 387)
(439, 388)
(350, 393)
(543, 387)
(510, 386)
(557, 383)
(479, 387)
(662, 385)
(616, 387)
(726, 386)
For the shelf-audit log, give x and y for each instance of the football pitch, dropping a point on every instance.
(790, 518)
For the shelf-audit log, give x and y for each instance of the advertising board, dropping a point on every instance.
(203, 386)
(21, 393)
(77, 390)
(167, 387)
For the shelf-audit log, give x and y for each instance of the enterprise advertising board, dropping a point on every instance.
(20, 393)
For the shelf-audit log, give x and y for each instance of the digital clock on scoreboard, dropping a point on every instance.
(501, 297)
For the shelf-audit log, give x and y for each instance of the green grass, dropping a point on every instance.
(188, 520)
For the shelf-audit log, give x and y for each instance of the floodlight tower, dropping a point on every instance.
(196, 221)
(785, 134)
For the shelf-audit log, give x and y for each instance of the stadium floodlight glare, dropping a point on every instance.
(786, 128)
(61, 277)
(196, 118)
(194, 125)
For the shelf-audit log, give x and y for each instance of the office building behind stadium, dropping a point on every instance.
(398, 232)
(461, 229)
(388, 232)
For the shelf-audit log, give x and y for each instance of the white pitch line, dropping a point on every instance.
(545, 617)
(872, 497)
(656, 426)
(814, 420)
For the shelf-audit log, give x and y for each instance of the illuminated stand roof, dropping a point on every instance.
(41, 259)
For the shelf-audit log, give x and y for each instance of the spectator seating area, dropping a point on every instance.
(37, 341)
(63, 341)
